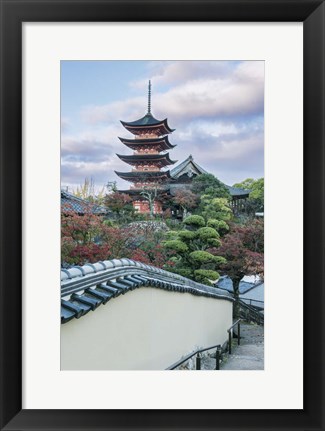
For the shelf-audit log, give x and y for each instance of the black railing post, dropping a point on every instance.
(229, 342)
(198, 361)
(218, 358)
(238, 333)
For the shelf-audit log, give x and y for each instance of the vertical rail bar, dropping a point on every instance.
(198, 361)
(229, 342)
(238, 333)
(218, 358)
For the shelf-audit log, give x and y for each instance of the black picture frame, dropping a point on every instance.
(13, 14)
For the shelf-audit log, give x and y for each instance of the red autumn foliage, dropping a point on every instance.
(86, 238)
(186, 199)
(155, 256)
(116, 201)
(243, 247)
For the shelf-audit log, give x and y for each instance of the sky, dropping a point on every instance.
(216, 107)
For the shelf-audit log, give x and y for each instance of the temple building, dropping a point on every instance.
(149, 157)
(182, 176)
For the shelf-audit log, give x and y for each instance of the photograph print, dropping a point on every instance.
(162, 215)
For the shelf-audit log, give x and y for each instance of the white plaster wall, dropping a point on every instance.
(146, 329)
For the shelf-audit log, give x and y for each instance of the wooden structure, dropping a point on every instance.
(184, 173)
(150, 183)
(148, 159)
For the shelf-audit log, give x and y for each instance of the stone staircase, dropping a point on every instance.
(249, 355)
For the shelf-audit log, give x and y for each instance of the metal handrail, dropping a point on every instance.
(251, 300)
(229, 330)
(254, 313)
(234, 324)
(198, 358)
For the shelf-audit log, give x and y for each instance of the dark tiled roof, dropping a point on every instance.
(84, 288)
(235, 191)
(164, 158)
(162, 141)
(225, 282)
(70, 202)
(143, 175)
(148, 120)
(189, 165)
(254, 296)
(186, 164)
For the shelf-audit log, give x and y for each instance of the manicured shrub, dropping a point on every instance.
(185, 272)
(214, 242)
(204, 275)
(186, 235)
(194, 220)
(220, 225)
(219, 260)
(206, 233)
(176, 245)
(200, 257)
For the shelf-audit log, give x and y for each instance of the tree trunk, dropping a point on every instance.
(235, 283)
(151, 206)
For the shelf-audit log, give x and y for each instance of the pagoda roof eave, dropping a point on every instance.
(144, 123)
(143, 175)
(135, 192)
(147, 157)
(155, 141)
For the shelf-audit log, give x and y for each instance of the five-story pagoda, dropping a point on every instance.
(149, 146)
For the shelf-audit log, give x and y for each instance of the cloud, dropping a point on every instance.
(227, 148)
(91, 153)
(115, 111)
(65, 124)
(100, 172)
(217, 109)
(164, 73)
(205, 91)
(90, 145)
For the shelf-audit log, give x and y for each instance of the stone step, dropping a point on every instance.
(249, 355)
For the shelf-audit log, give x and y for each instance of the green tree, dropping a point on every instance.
(88, 192)
(255, 202)
(121, 205)
(208, 184)
(215, 208)
(185, 199)
(191, 247)
(243, 250)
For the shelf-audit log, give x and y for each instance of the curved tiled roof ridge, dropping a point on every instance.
(84, 288)
(70, 202)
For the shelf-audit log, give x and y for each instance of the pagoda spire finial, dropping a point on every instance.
(149, 97)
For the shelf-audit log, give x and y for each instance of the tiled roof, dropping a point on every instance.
(254, 296)
(70, 202)
(148, 120)
(225, 283)
(185, 164)
(163, 140)
(189, 165)
(84, 288)
(235, 191)
(137, 176)
(147, 157)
